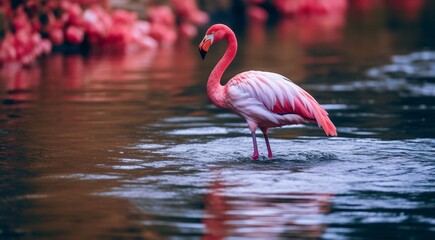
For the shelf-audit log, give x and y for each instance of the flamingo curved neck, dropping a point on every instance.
(215, 90)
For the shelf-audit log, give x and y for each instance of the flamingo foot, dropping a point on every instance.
(255, 156)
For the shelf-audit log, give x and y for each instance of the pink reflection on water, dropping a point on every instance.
(105, 76)
(20, 82)
(408, 10)
(268, 215)
(57, 75)
(295, 7)
(315, 36)
(365, 5)
(313, 29)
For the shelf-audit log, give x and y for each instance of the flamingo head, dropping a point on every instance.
(205, 44)
(214, 34)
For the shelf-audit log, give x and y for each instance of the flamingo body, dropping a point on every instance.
(263, 99)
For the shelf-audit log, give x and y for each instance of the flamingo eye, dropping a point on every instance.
(209, 37)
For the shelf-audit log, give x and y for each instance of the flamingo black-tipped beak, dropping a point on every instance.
(205, 45)
(203, 53)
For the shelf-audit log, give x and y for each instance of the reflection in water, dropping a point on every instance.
(408, 10)
(267, 216)
(66, 121)
(64, 74)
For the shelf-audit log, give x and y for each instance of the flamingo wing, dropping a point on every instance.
(271, 93)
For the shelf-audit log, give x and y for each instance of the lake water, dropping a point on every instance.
(128, 146)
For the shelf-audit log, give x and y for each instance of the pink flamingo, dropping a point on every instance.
(263, 99)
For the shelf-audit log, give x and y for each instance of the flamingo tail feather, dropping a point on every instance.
(322, 118)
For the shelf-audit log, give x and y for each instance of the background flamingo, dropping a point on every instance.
(263, 99)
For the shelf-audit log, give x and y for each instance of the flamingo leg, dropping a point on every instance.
(254, 141)
(266, 138)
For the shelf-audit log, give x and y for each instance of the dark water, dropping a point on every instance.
(128, 146)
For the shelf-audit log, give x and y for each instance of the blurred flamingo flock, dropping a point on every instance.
(31, 28)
